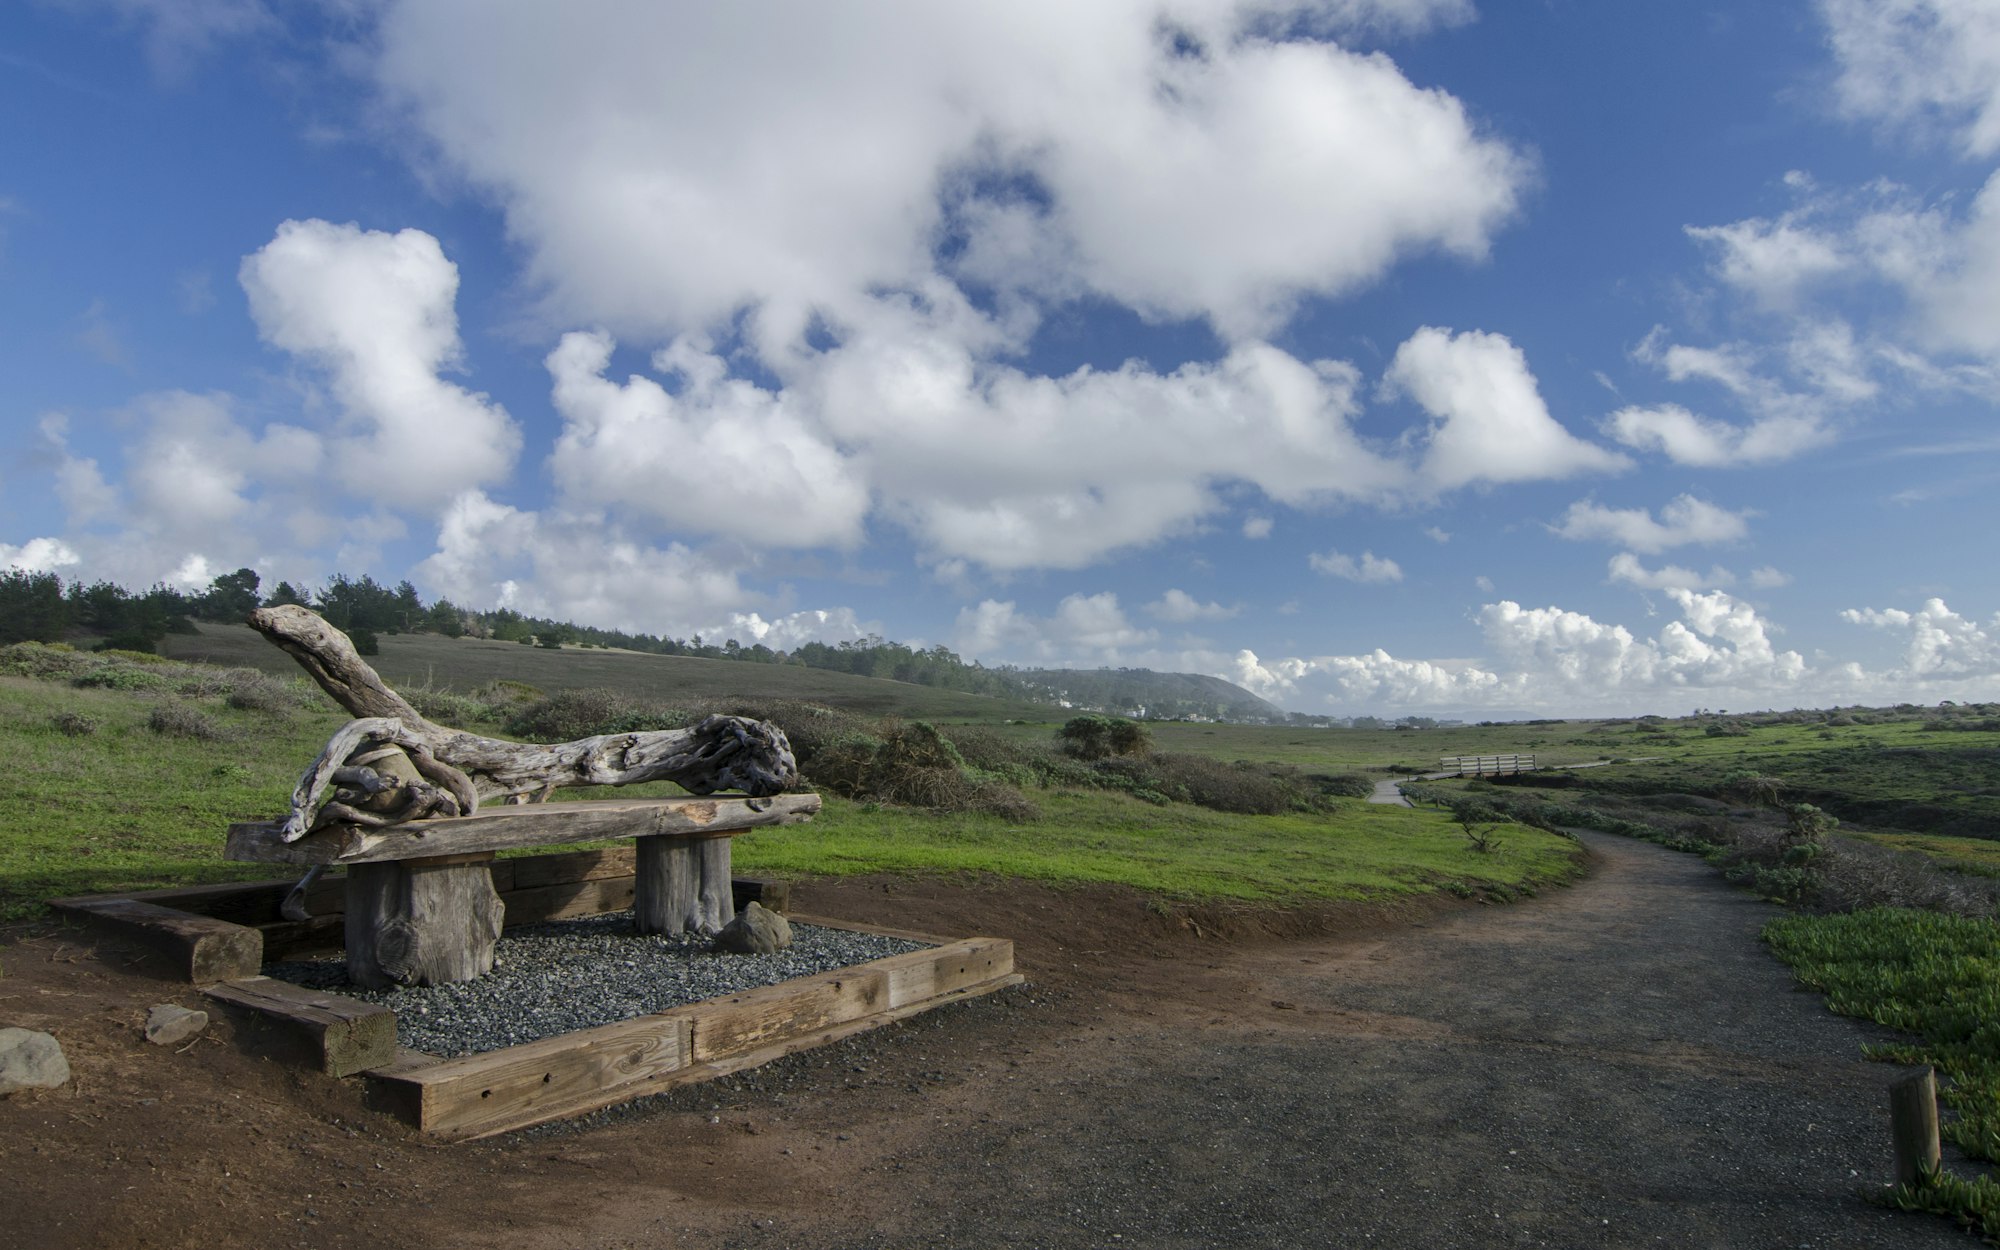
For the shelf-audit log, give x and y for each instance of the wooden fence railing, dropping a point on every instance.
(1485, 765)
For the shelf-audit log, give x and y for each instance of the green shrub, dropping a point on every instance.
(1783, 883)
(568, 715)
(1935, 976)
(252, 691)
(1804, 822)
(982, 748)
(126, 646)
(912, 764)
(75, 724)
(1095, 737)
(43, 660)
(447, 707)
(122, 677)
(178, 720)
(504, 693)
(841, 765)
(1240, 787)
(1974, 1203)
(1343, 785)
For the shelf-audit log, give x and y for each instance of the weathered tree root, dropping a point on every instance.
(462, 769)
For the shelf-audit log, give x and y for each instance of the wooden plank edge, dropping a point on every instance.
(696, 1073)
(205, 949)
(409, 1080)
(350, 1034)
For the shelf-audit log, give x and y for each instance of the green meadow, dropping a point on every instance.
(127, 774)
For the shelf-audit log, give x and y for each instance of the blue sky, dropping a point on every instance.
(1408, 356)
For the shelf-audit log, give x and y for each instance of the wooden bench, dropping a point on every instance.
(421, 906)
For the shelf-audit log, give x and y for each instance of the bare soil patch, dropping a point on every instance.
(1619, 1063)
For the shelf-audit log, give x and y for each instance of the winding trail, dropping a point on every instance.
(1389, 791)
(1618, 1064)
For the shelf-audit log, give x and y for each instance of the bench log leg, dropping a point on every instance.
(682, 885)
(410, 922)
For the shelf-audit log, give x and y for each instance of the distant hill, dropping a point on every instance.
(462, 664)
(1142, 692)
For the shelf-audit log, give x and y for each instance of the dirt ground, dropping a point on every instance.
(1619, 1063)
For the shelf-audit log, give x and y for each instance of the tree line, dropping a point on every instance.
(41, 607)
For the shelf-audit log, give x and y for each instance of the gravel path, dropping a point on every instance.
(1620, 1064)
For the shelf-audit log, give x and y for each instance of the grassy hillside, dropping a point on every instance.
(462, 664)
(128, 773)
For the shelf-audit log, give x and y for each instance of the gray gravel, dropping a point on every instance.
(574, 974)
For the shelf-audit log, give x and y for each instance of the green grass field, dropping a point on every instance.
(1908, 775)
(126, 806)
(115, 804)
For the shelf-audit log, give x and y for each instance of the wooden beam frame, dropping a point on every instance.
(496, 1092)
(517, 1086)
(205, 949)
(346, 1034)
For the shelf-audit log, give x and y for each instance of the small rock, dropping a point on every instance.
(756, 931)
(31, 1060)
(168, 1025)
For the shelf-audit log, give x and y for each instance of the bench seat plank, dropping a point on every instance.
(533, 824)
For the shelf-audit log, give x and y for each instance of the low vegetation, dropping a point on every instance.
(130, 767)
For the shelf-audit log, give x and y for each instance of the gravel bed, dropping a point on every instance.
(555, 978)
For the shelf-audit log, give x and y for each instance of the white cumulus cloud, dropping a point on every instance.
(723, 456)
(1178, 606)
(1684, 521)
(1084, 630)
(1368, 568)
(667, 166)
(577, 566)
(38, 555)
(377, 313)
(1626, 567)
(1492, 425)
(1930, 64)
(792, 629)
(1941, 643)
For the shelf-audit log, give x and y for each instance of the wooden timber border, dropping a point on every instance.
(218, 935)
(501, 1090)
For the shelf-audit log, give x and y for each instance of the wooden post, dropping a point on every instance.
(421, 922)
(682, 885)
(1913, 1122)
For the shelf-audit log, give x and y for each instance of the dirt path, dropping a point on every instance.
(1389, 791)
(1616, 1064)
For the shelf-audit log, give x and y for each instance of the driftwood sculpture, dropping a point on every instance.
(451, 769)
(435, 922)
